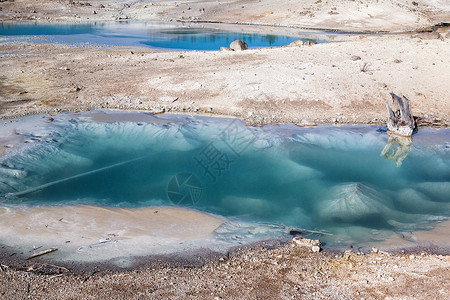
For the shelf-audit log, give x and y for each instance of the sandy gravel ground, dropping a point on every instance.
(342, 82)
(281, 273)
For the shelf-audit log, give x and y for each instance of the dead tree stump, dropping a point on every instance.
(401, 121)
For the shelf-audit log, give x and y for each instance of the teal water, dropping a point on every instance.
(334, 180)
(161, 36)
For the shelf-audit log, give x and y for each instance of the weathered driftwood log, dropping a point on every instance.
(400, 122)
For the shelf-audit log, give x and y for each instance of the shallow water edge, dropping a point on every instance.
(188, 259)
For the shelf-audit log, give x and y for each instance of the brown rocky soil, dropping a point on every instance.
(281, 273)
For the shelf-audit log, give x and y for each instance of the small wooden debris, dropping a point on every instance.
(54, 276)
(295, 232)
(31, 268)
(89, 276)
(49, 250)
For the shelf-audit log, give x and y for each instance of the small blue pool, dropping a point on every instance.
(142, 34)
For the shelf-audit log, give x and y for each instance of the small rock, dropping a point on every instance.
(168, 99)
(238, 45)
(225, 49)
(314, 245)
(429, 35)
(309, 43)
(306, 123)
(297, 43)
(355, 58)
(159, 110)
(197, 85)
(411, 257)
(122, 17)
(74, 89)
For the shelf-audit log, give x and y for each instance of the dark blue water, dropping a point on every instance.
(352, 183)
(142, 34)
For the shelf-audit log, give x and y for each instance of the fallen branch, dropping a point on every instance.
(50, 250)
(307, 231)
(89, 276)
(50, 265)
(100, 243)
